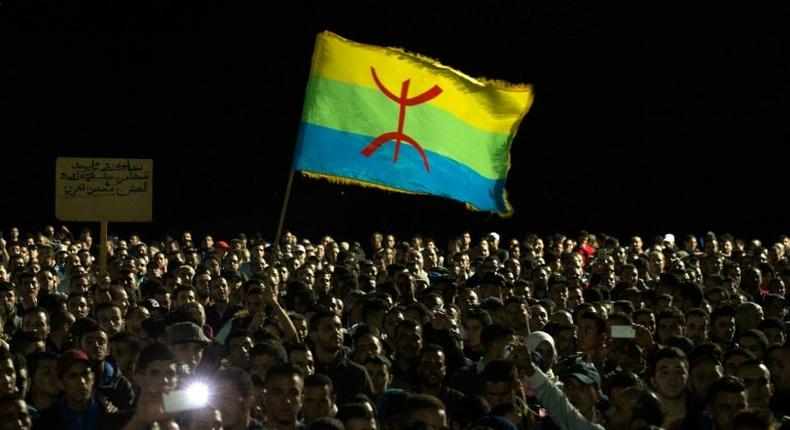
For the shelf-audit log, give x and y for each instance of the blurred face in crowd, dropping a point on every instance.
(759, 389)
(77, 383)
(111, 320)
(283, 399)
(702, 376)
(78, 306)
(318, 402)
(36, 322)
(95, 344)
(697, 329)
(724, 407)
(671, 377)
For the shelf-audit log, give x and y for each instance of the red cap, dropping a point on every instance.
(69, 358)
(221, 245)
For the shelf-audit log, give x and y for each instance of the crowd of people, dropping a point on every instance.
(536, 332)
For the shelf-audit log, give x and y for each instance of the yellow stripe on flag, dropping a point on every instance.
(490, 106)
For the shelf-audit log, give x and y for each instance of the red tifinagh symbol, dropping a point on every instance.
(399, 136)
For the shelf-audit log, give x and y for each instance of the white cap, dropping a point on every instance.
(495, 234)
(669, 237)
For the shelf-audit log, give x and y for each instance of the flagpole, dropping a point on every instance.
(276, 243)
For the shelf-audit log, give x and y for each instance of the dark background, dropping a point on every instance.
(648, 118)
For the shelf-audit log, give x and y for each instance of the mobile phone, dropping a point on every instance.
(623, 332)
(195, 396)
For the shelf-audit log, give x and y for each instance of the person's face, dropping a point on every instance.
(516, 315)
(559, 294)
(329, 335)
(37, 323)
(620, 412)
(724, 328)
(566, 343)
(697, 329)
(779, 364)
(702, 376)
(189, 353)
(380, 376)
(668, 327)
(48, 281)
(15, 415)
(283, 399)
(78, 306)
(408, 341)
(9, 300)
(390, 322)
(184, 297)
(7, 377)
(303, 359)
(46, 377)
(122, 355)
(725, 407)
(366, 344)
(582, 396)
(538, 318)
(589, 338)
(671, 377)
(432, 369)
(95, 345)
(110, 320)
(430, 419)
(318, 402)
(219, 290)
(473, 329)
(546, 352)
(160, 377)
(757, 380)
(239, 354)
(77, 382)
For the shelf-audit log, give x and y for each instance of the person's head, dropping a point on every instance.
(722, 325)
(757, 380)
(778, 362)
(408, 339)
(364, 344)
(733, 358)
(635, 408)
(592, 327)
(110, 318)
(237, 348)
(300, 355)
(380, 370)
(423, 411)
(264, 355)
(91, 338)
(14, 413)
(668, 373)
(42, 370)
(517, 313)
(705, 367)
(75, 376)
(581, 383)
(543, 343)
(356, 416)
(476, 320)
(36, 320)
(696, 327)
(669, 323)
(495, 338)
(319, 397)
(187, 341)
(431, 366)
(77, 304)
(499, 382)
(326, 331)
(284, 385)
(234, 395)
(125, 351)
(755, 341)
(156, 370)
(726, 399)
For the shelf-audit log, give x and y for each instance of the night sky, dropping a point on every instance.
(647, 118)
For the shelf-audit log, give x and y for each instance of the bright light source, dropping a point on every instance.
(197, 394)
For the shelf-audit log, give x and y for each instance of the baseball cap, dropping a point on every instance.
(579, 369)
(69, 358)
(221, 245)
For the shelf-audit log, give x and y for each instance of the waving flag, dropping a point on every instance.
(386, 118)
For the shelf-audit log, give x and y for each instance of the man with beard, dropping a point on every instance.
(408, 342)
(432, 370)
(347, 377)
